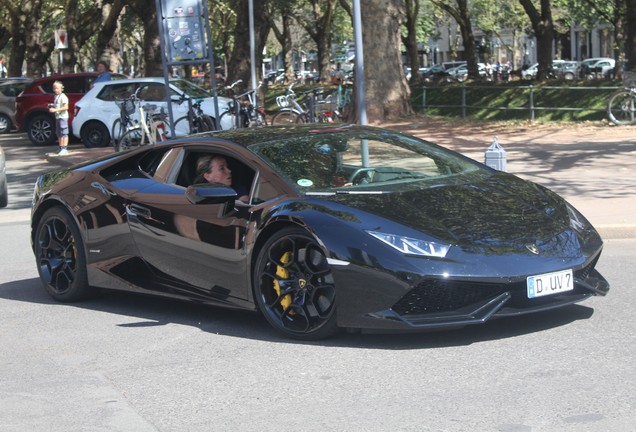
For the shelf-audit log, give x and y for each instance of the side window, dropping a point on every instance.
(116, 92)
(264, 191)
(242, 175)
(153, 92)
(74, 85)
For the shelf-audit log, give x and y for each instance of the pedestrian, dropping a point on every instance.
(104, 73)
(60, 108)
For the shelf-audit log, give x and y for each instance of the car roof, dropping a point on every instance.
(247, 137)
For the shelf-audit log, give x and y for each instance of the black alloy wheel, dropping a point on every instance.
(60, 256)
(95, 134)
(294, 287)
(41, 130)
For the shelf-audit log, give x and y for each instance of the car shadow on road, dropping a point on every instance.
(144, 311)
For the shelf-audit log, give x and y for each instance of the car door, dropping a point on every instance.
(197, 249)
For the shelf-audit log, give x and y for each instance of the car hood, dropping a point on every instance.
(501, 208)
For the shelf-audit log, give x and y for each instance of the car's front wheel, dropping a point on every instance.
(5, 124)
(41, 130)
(294, 287)
(95, 134)
(61, 261)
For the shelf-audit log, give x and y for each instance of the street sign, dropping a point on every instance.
(61, 41)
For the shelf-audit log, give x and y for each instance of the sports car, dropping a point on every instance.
(339, 227)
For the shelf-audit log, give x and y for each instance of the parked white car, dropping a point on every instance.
(97, 110)
(597, 67)
(531, 72)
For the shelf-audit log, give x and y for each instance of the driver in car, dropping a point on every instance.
(214, 169)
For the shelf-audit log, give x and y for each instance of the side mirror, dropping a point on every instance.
(210, 193)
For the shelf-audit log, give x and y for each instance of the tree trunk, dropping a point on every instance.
(239, 66)
(18, 47)
(152, 61)
(108, 44)
(410, 40)
(387, 92)
(35, 53)
(630, 39)
(543, 27)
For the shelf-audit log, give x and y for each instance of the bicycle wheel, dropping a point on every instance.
(259, 120)
(303, 118)
(227, 121)
(285, 118)
(117, 132)
(621, 108)
(182, 126)
(207, 123)
(130, 140)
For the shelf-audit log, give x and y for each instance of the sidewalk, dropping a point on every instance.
(592, 166)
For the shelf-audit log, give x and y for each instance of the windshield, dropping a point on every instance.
(192, 90)
(346, 162)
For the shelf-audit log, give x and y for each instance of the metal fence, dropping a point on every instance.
(531, 107)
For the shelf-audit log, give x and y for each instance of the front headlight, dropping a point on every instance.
(412, 246)
(577, 221)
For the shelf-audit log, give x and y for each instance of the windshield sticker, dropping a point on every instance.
(305, 183)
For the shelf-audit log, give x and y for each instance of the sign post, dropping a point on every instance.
(185, 40)
(61, 42)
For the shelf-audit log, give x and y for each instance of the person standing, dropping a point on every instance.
(60, 108)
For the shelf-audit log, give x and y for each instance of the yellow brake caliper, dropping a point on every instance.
(283, 273)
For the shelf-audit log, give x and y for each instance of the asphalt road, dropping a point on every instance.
(129, 363)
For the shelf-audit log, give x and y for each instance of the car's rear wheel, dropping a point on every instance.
(60, 256)
(4, 193)
(5, 124)
(41, 130)
(294, 287)
(95, 134)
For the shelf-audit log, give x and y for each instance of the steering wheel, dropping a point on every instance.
(361, 175)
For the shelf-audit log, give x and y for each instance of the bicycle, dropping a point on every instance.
(621, 108)
(196, 120)
(314, 110)
(243, 111)
(125, 121)
(150, 129)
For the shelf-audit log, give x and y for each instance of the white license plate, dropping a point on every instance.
(550, 283)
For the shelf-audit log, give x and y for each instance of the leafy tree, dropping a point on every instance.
(283, 8)
(543, 28)
(318, 24)
(387, 92)
(630, 39)
(459, 10)
(239, 61)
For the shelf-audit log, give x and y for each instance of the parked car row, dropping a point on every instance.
(598, 67)
(92, 108)
(9, 89)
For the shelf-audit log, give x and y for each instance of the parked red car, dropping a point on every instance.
(32, 114)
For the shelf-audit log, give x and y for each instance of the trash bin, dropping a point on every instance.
(495, 156)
